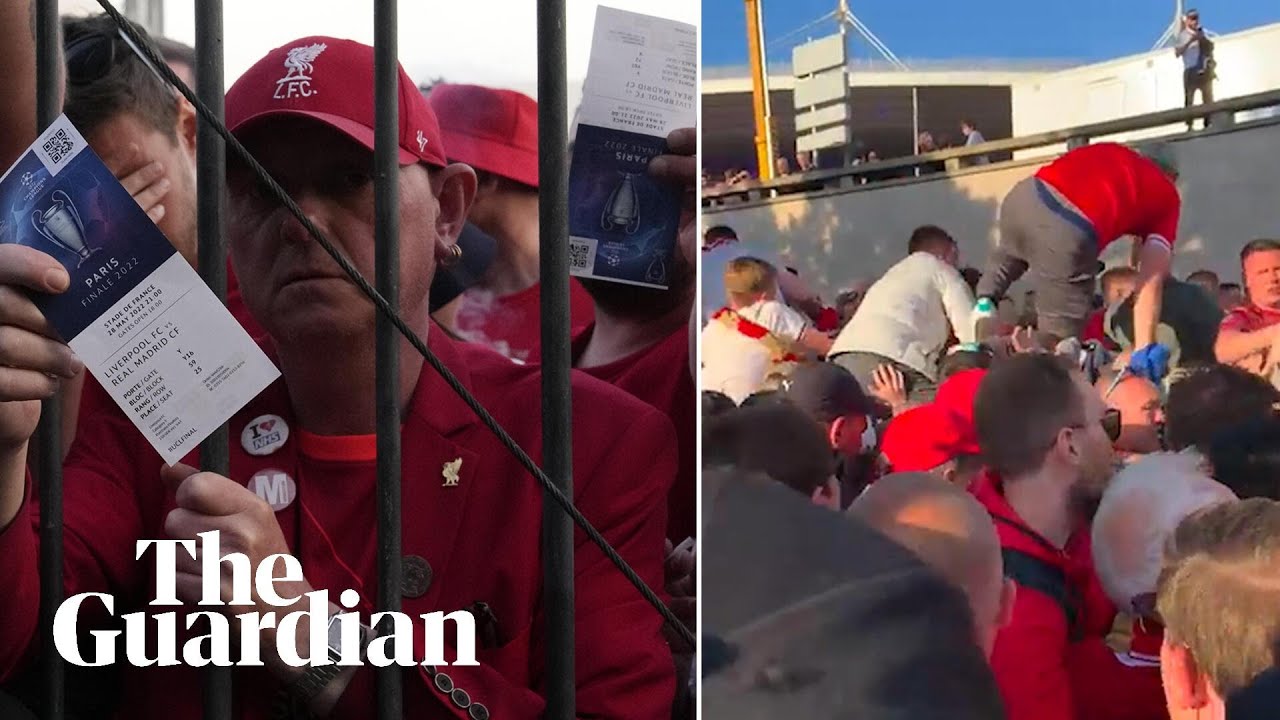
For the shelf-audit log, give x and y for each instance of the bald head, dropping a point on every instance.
(1141, 412)
(951, 532)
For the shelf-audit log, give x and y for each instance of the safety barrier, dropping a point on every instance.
(1221, 114)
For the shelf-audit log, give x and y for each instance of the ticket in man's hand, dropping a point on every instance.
(641, 85)
(137, 314)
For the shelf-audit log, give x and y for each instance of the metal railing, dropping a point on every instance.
(49, 449)
(213, 141)
(1221, 115)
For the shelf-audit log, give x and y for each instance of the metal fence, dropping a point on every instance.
(1221, 113)
(559, 516)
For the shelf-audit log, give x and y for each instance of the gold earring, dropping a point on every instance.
(453, 257)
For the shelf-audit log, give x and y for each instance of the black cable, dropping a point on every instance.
(380, 302)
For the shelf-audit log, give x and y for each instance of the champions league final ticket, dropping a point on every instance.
(137, 314)
(641, 85)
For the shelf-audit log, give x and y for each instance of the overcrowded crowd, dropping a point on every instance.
(469, 284)
(1087, 487)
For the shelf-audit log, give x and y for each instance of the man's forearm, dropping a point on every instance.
(1234, 345)
(1146, 311)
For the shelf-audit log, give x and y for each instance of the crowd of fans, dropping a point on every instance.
(1113, 536)
(806, 161)
(469, 285)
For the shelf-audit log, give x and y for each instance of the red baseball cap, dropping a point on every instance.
(957, 393)
(925, 437)
(331, 80)
(489, 129)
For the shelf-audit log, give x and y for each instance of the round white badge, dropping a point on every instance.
(275, 487)
(264, 435)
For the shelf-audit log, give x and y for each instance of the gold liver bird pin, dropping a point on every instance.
(450, 472)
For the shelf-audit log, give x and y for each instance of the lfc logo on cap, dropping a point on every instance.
(264, 435)
(297, 81)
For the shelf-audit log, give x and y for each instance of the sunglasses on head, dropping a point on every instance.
(90, 56)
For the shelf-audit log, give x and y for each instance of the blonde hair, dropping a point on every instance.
(745, 278)
(1220, 589)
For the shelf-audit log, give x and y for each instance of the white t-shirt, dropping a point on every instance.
(909, 313)
(737, 365)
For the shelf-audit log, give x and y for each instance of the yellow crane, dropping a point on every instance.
(760, 90)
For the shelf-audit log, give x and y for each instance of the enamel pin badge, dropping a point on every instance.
(450, 472)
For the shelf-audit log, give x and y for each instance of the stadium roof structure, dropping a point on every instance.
(877, 73)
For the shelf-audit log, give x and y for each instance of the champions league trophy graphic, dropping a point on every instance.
(60, 224)
(657, 272)
(622, 211)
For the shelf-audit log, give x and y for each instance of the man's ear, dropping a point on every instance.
(835, 430)
(455, 189)
(187, 125)
(949, 472)
(1184, 687)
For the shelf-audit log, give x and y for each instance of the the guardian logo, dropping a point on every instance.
(152, 639)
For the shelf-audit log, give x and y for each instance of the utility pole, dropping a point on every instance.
(760, 90)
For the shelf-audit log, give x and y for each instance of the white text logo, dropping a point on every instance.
(297, 81)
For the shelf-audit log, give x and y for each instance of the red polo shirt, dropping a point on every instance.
(479, 537)
(659, 375)
(1118, 191)
(1250, 318)
(512, 325)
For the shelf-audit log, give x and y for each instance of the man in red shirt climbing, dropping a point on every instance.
(1057, 222)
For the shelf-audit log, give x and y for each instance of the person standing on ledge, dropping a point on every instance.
(1196, 51)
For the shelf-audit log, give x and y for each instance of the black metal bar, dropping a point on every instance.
(386, 227)
(49, 449)
(557, 405)
(211, 175)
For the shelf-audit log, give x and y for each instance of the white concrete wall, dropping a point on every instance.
(1230, 188)
(1141, 84)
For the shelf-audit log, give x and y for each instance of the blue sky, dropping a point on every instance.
(952, 29)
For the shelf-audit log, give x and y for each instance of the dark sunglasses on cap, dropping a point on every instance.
(90, 56)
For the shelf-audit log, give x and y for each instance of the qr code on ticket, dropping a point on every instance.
(58, 146)
(582, 254)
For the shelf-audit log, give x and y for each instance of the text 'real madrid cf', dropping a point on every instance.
(137, 314)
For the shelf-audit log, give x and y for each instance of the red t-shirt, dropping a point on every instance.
(1250, 318)
(659, 375)
(1110, 685)
(479, 536)
(512, 324)
(1118, 191)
